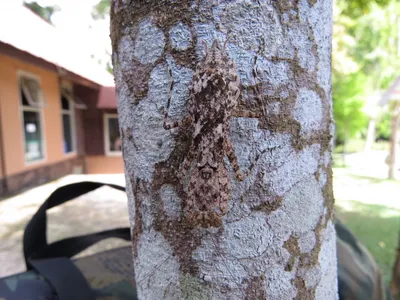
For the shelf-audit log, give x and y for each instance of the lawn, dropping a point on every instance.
(370, 207)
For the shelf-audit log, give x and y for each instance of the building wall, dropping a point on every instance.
(11, 116)
(100, 164)
(43, 174)
(1, 164)
(92, 121)
(88, 126)
(97, 162)
(56, 163)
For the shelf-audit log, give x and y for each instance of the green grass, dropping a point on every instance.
(370, 207)
(377, 228)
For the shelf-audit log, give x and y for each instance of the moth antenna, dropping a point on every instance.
(155, 269)
(205, 46)
(226, 41)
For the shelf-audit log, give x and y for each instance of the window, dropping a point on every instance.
(111, 135)
(32, 103)
(68, 121)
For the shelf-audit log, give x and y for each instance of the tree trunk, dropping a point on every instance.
(276, 239)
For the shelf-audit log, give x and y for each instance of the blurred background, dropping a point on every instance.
(71, 39)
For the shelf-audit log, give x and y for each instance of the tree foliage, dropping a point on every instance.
(358, 8)
(101, 10)
(383, 126)
(365, 58)
(45, 12)
(348, 104)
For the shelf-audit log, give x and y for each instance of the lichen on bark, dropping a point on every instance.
(277, 240)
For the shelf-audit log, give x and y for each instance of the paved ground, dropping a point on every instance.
(104, 208)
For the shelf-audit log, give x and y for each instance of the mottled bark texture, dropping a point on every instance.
(277, 240)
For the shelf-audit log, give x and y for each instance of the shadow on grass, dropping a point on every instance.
(374, 179)
(377, 227)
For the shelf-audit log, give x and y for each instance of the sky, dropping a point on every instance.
(75, 19)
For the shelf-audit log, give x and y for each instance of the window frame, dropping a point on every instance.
(39, 110)
(71, 114)
(106, 128)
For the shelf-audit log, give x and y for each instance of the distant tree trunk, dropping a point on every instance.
(394, 139)
(370, 135)
(277, 240)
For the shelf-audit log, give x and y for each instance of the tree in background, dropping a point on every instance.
(101, 10)
(383, 127)
(45, 12)
(348, 101)
(365, 59)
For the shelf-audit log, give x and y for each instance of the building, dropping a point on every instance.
(57, 106)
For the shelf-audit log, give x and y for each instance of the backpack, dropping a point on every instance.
(52, 274)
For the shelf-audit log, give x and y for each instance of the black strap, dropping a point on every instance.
(52, 260)
(74, 245)
(35, 237)
(65, 278)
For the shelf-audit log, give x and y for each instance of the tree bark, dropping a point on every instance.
(277, 240)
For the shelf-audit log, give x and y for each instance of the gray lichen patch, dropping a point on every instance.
(277, 165)
(155, 264)
(123, 62)
(263, 25)
(311, 276)
(327, 287)
(149, 42)
(264, 150)
(148, 149)
(279, 283)
(182, 77)
(323, 178)
(247, 238)
(318, 16)
(131, 204)
(220, 268)
(206, 33)
(296, 167)
(307, 242)
(308, 111)
(300, 38)
(180, 36)
(159, 84)
(326, 158)
(146, 211)
(171, 201)
(294, 215)
(125, 56)
(244, 60)
(273, 73)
